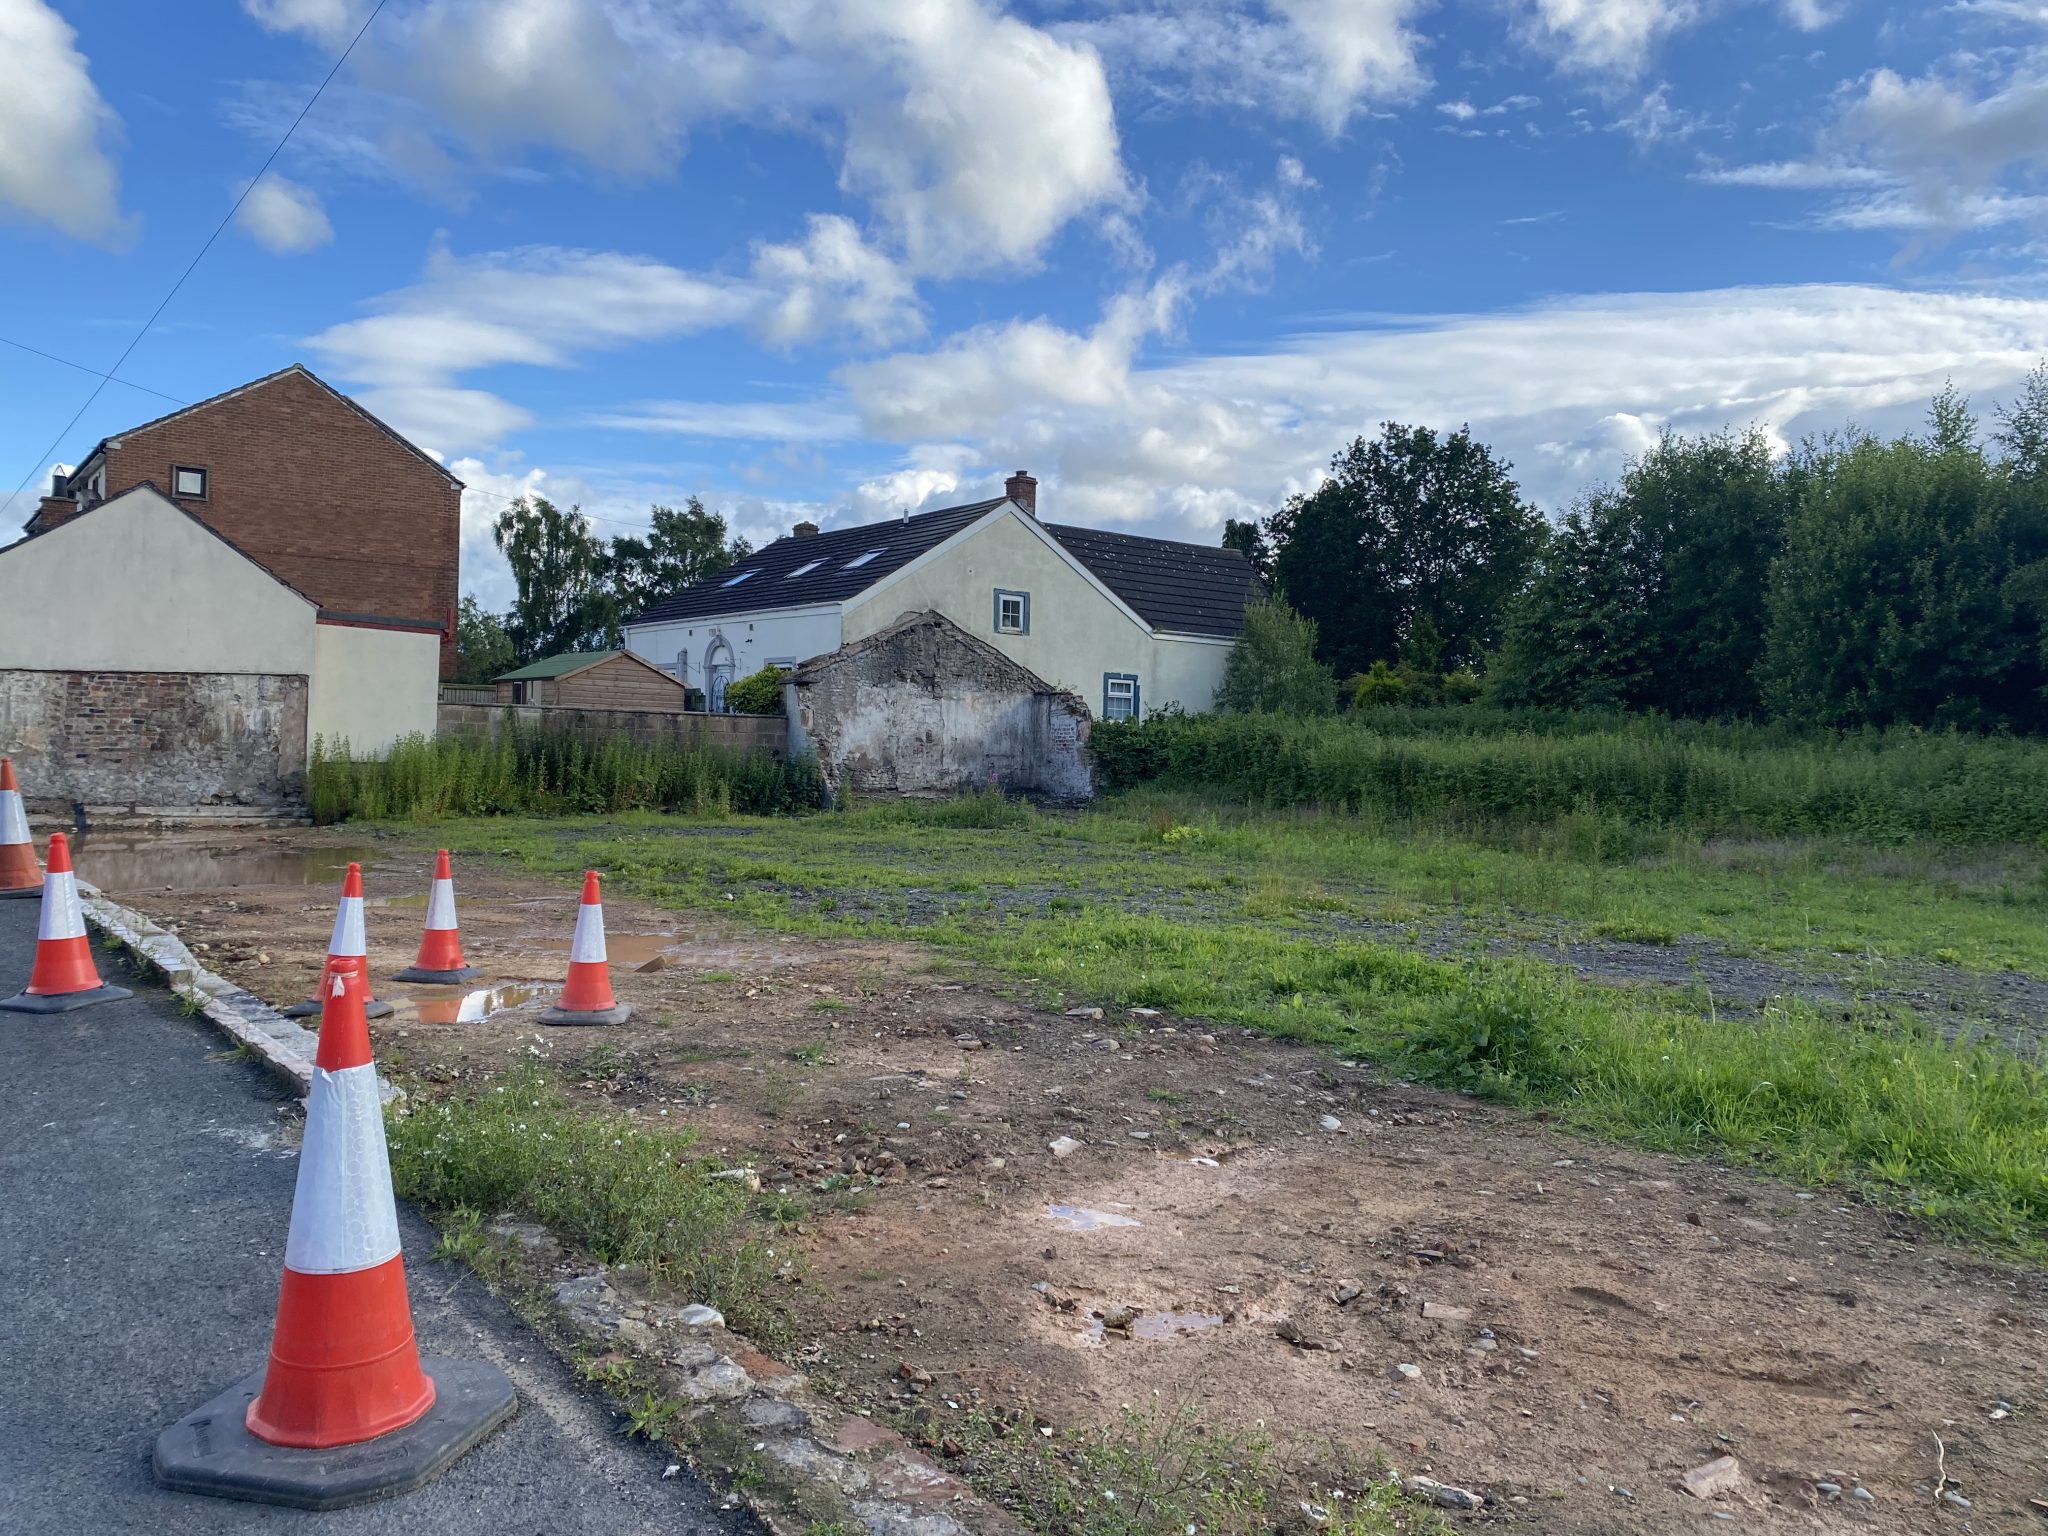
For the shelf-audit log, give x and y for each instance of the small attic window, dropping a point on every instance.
(803, 570)
(188, 483)
(862, 559)
(733, 581)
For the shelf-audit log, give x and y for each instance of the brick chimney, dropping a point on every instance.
(805, 530)
(1023, 490)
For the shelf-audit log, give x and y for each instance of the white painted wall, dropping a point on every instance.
(1078, 630)
(791, 635)
(372, 686)
(135, 585)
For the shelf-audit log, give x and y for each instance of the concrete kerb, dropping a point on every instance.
(283, 1047)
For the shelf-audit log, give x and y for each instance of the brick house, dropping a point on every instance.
(306, 483)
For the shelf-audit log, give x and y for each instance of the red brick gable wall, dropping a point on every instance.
(316, 492)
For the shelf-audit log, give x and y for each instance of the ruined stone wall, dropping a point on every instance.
(924, 711)
(155, 740)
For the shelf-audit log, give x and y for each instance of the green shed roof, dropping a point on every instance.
(556, 666)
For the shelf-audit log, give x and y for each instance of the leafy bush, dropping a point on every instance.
(759, 693)
(553, 772)
(1273, 668)
(1480, 765)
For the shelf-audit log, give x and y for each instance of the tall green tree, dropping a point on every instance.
(483, 646)
(557, 571)
(2022, 437)
(1409, 526)
(1272, 668)
(1891, 603)
(1249, 540)
(1651, 595)
(682, 546)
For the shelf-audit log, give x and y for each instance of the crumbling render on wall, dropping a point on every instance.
(168, 740)
(924, 708)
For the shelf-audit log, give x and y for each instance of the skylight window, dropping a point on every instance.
(803, 570)
(733, 581)
(862, 559)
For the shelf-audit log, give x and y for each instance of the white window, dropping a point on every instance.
(188, 483)
(862, 559)
(1013, 613)
(1119, 696)
(733, 581)
(803, 570)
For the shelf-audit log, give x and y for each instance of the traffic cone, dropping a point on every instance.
(347, 944)
(64, 976)
(20, 875)
(587, 994)
(345, 1367)
(440, 958)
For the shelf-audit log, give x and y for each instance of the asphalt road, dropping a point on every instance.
(144, 1201)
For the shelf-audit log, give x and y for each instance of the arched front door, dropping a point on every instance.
(718, 667)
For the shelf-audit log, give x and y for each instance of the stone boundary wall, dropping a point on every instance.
(648, 727)
(115, 739)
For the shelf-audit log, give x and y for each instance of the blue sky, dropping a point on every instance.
(832, 260)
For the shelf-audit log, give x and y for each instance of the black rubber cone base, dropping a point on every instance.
(62, 1002)
(211, 1451)
(310, 1009)
(618, 1013)
(438, 978)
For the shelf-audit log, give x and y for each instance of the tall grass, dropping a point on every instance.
(1463, 766)
(552, 773)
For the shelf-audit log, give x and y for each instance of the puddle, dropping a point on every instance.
(1079, 1218)
(1154, 1325)
(471, 1007)
(125, 862)
(621, 948)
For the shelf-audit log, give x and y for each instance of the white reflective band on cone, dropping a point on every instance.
(343, 1216)
(441, 905)
(348, 928)
(61, 917)
(13, 819)
(588, 945)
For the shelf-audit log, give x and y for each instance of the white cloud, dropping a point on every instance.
(972, 136)
(1563, 389)
(1809, 15)
(1321, 59)
(284, 217)
(539, 306)
(1654, 120)
(1606, 36)
(835, 280)
(54, 128)
(1458, 111)
(1794, 175)
(1363, 50)
(809, 421)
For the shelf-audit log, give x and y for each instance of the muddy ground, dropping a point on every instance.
(1363, 1267)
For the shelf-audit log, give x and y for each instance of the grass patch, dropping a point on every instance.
(1631, 930)
(1162, 1472)
(808, 1055)
(626, 1192)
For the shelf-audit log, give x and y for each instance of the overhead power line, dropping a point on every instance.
(129, 383)
(134, 341)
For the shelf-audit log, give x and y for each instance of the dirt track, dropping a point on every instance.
(1646, 1314)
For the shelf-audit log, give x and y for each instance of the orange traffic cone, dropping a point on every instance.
(64, 976)
(344, 1367)
(440, 958)
(20, 875)
(347, 944)
(587, 994)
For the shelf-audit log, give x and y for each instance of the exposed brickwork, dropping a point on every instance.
(314, 491)
(923, 708)
(156, 739)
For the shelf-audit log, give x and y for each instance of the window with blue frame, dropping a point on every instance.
(1119, 695)
(1013, 612)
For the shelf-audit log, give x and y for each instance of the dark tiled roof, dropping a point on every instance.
(1190, 589)
(793, 572)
